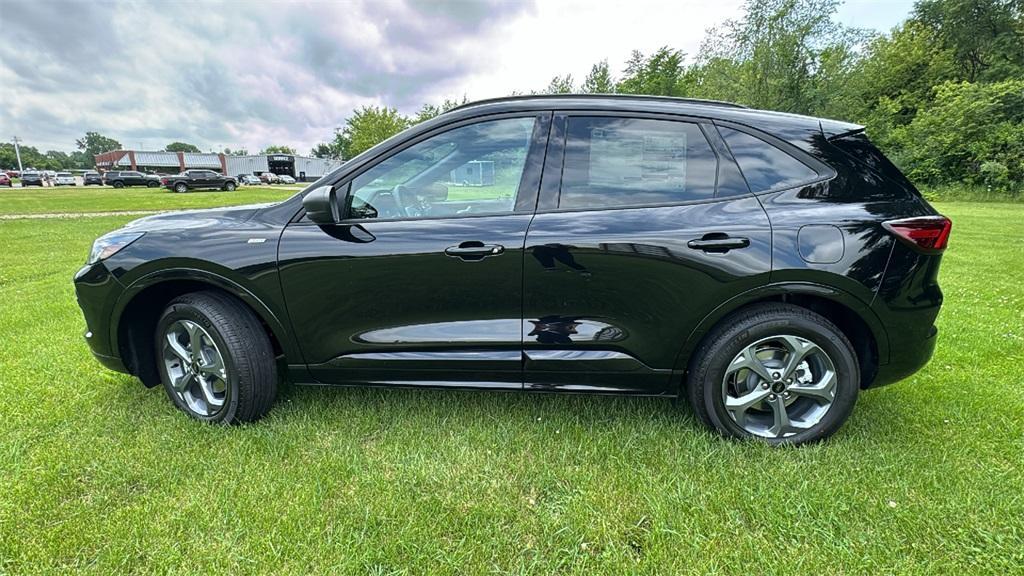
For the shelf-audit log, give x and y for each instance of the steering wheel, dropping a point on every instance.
(409, 203)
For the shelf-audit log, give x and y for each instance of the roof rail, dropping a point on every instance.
(674, 99)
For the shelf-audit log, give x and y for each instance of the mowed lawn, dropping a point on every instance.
(102, 476)
(65, 199)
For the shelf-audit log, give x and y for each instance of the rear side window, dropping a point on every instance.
(861, 149)
(764, 166)
(635, 162)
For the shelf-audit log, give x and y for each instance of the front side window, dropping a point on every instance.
(764, 166)
(470, 170)
(635, 162)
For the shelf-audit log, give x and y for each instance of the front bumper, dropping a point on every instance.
(97, 290)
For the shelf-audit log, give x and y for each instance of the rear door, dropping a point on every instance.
(644, 226)
(422, 282)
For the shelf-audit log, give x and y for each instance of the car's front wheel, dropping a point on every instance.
(118, 184)
(774, 372)
(215, 360)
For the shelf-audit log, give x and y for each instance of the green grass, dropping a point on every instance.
(102, 476)
(70, 199)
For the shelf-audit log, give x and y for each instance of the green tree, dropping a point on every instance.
(324, 150)
(787, 55)
(278, 149)
(367, 127)
(984, 37)
(600, 80)
(94, 143)
(969, 126)
(560, 85)
(660, 74)
(429, 111)
(236, 152)
(181, 147)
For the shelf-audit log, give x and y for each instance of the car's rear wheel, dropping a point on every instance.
(215, 360)
(230, 186)
(181, 187)
(152, 184)
(774, 372)
(118, 184)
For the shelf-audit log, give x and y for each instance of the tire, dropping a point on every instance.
(152, 184)
(181, 187)
(227, 329)
(230, 187)
(118, 184)
(717, 372)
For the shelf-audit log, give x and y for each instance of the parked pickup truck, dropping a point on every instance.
(193, 179)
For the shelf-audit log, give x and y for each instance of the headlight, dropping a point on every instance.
(109, 244)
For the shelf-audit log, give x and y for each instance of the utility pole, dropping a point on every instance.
(17, 152)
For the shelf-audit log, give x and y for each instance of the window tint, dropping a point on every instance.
(765, 166)
(633, 162)
(470, 170)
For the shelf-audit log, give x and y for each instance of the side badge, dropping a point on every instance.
(256, 240)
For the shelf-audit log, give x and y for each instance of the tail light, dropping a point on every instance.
(928, 234)
(163, 181)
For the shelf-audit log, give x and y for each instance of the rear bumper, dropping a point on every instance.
(906, 358)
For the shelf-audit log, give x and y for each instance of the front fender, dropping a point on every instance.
(772, 292)
(274, 320)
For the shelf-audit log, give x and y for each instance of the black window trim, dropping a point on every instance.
(531, 177)
(551, 191)
(823, 172)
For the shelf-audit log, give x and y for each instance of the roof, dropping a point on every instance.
(769, 120)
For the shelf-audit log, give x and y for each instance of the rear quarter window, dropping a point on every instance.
(764, 166)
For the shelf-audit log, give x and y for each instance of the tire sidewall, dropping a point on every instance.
(184, 311)
(180, 188)
(826, 337)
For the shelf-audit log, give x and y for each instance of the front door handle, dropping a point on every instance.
(474, 250)
(718, 242)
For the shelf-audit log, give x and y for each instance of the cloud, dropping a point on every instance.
(254, 74)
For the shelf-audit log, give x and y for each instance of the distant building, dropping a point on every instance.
(301, 168)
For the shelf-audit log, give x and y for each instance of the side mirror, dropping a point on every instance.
(321, 205)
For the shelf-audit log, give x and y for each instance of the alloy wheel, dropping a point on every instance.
(779, 386)
(195, 368)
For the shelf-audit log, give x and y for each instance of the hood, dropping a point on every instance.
(208, 218)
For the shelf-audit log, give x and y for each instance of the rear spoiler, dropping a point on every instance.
(835, 129)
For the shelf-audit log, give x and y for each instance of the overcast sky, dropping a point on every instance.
(251, 74)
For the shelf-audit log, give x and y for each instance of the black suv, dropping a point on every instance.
(91, 178)
(195, 179)
(121, 179)
(765, 266)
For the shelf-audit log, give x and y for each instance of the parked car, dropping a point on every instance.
(269, 178)
(64, 179)
(92, 178)
(31, 178)
(248, 179)
(121, 179)
(767, 267)
(286, 179)
(195, 179)
(13, 174)
(5, 180)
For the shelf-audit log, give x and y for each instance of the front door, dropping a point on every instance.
(647, 229)
(421, 283)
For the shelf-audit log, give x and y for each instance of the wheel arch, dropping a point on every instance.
(850, 314)
(139, 308)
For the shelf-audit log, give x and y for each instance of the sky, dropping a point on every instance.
(252, 74)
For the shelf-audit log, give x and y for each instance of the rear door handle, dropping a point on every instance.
(718, 242)
(474, 250)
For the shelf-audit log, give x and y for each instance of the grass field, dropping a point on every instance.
(102, 476)
(63, 199)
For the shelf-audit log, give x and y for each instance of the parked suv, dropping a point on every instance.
(90, 178)
(765, 266)
(193, 179)
(31, 178)
(119, 179)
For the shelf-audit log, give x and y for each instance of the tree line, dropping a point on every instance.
(942, 93)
